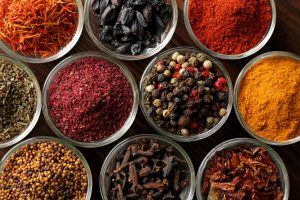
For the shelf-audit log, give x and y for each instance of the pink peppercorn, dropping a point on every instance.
(90, 99)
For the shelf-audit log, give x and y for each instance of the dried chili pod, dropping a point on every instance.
(123, 48)
(96, 6)
(136, 48)
(109, 15)
(137, 2)
(107, 34)
(147, 11)
(140, 19)
(103, 5)
(116, 2)
(126, 15)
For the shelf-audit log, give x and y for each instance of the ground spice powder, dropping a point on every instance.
(269, 98)
(229, 26)
(90, 99)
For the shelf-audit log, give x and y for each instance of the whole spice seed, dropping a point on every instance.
(269, 101)
(243, 172)
(38, 27)
(43, 170)
(229, 26)
(147, 170)
(130, 26)
(89, 100)
(18, 100)
(196, 96)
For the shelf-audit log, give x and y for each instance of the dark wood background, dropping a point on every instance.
(286, 37)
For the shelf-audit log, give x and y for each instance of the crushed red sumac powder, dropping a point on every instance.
(90, 99)
(242, 173)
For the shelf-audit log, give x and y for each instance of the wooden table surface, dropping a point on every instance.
(286, 37)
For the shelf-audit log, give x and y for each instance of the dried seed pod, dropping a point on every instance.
(126, 15)
(106, 34)
(147, 12)
(136, 48)
(140, 18)
(109, 15)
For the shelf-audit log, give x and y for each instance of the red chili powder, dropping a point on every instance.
(230, 26)
(90, 99)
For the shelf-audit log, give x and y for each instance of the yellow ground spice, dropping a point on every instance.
(269, 98)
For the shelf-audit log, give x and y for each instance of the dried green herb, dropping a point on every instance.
(18, 100)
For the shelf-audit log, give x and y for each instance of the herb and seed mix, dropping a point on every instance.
(18, 100)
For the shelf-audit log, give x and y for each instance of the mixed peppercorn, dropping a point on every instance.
(43, 170)
(185, 93)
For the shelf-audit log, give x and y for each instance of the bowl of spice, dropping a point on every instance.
(40, 31)
(242, 168)
(266, 101)
(20, 101)
(186, 94)
(90, 100)
(45, 168)
(131, 29)
(147, 166)
(231, 29)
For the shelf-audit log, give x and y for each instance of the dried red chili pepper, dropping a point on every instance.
(89, 100)
(242, 173)
(38, 27)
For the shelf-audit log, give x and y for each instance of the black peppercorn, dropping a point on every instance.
(221, 96)
(186, 89)
(201, 90)
(155, 93)
(161, 77)
(151, 110)
(203, 111)
(208, 82)
(207, 98)
(190, 82)
(188, 112)
(174, 115)
(177, 100)
(223, 104)
(170, 96)
(190, 103)
(185, 74)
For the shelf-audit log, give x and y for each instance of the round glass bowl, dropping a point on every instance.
(93, 29)
(236, 94)
(66, 62)
(283, 174)
(37, 113)
(253, 50)
(63, 51)
(59, 141)
(186, 194)
(219, 66)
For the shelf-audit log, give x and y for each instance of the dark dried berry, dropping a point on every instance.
(155, 93)
(190, 103)
(151, 110)
(164, 85)
(177, 91)
(197, 75)
(223, 104)
(201, 90)
(140, 18)
(208, 98)
(174, 115)
(208, 82)
(177, 100)
(188, 112)
(186, 89)
(161, 78)
(190, 82)
(221, 96)
(185, 74)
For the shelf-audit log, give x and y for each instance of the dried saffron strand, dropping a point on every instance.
(38, 27)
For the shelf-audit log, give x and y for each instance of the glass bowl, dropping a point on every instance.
(66, 62)
(236, 93)
(93, 30)
(63, 51)
(251, 51)
(59, 141)
(190, 138)
(37, 113)
(186, 194)
(284, 178)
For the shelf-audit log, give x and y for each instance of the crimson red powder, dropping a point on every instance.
(230, 26)
(90, 99)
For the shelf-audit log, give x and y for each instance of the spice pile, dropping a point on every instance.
(185, 94)
(269, 100)
(241, 173)
(147, 170)
(90, 99)
(229, 26)
(130, 26)
(43, 170)
(38, 27)
(18, 100)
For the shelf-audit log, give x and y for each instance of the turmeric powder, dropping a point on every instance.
(269, 98)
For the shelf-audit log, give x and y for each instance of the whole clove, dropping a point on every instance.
(147, 170)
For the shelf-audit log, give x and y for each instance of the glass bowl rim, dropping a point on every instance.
(37, 112)
(202, 135)
(124, 143)
(125, 71)
(63, 51)
(128, 57)
(284, 178)
(245, 54)
(58, 141)
(236, 93)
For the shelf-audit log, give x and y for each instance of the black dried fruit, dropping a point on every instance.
(126, 38)
(147, 12)
(117, 31)
(116, 2)
(158, 23)
(136, 48)
(137, 2)
(165, 13)
(109, 15)
(106, 34)
(103, 5)
(96, 6)
(123, 48)
(140, 19)
(126, 15)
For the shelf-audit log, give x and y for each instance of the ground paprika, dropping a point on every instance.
(230, 26)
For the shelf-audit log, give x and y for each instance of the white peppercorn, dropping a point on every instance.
(216, 120)
(174, 56)
(185, 65)
(184, 132)
(210, 120)
(180, 59)
(160, 68)
(167, 73)
(174, 81)
(201, 83)
(207, 64)
(222, 112)
(159, 111)
(166, 113)
(181, 71)
(150, 88)
(185, 97)
(200, 57)
(172, 63)
(157, 103)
